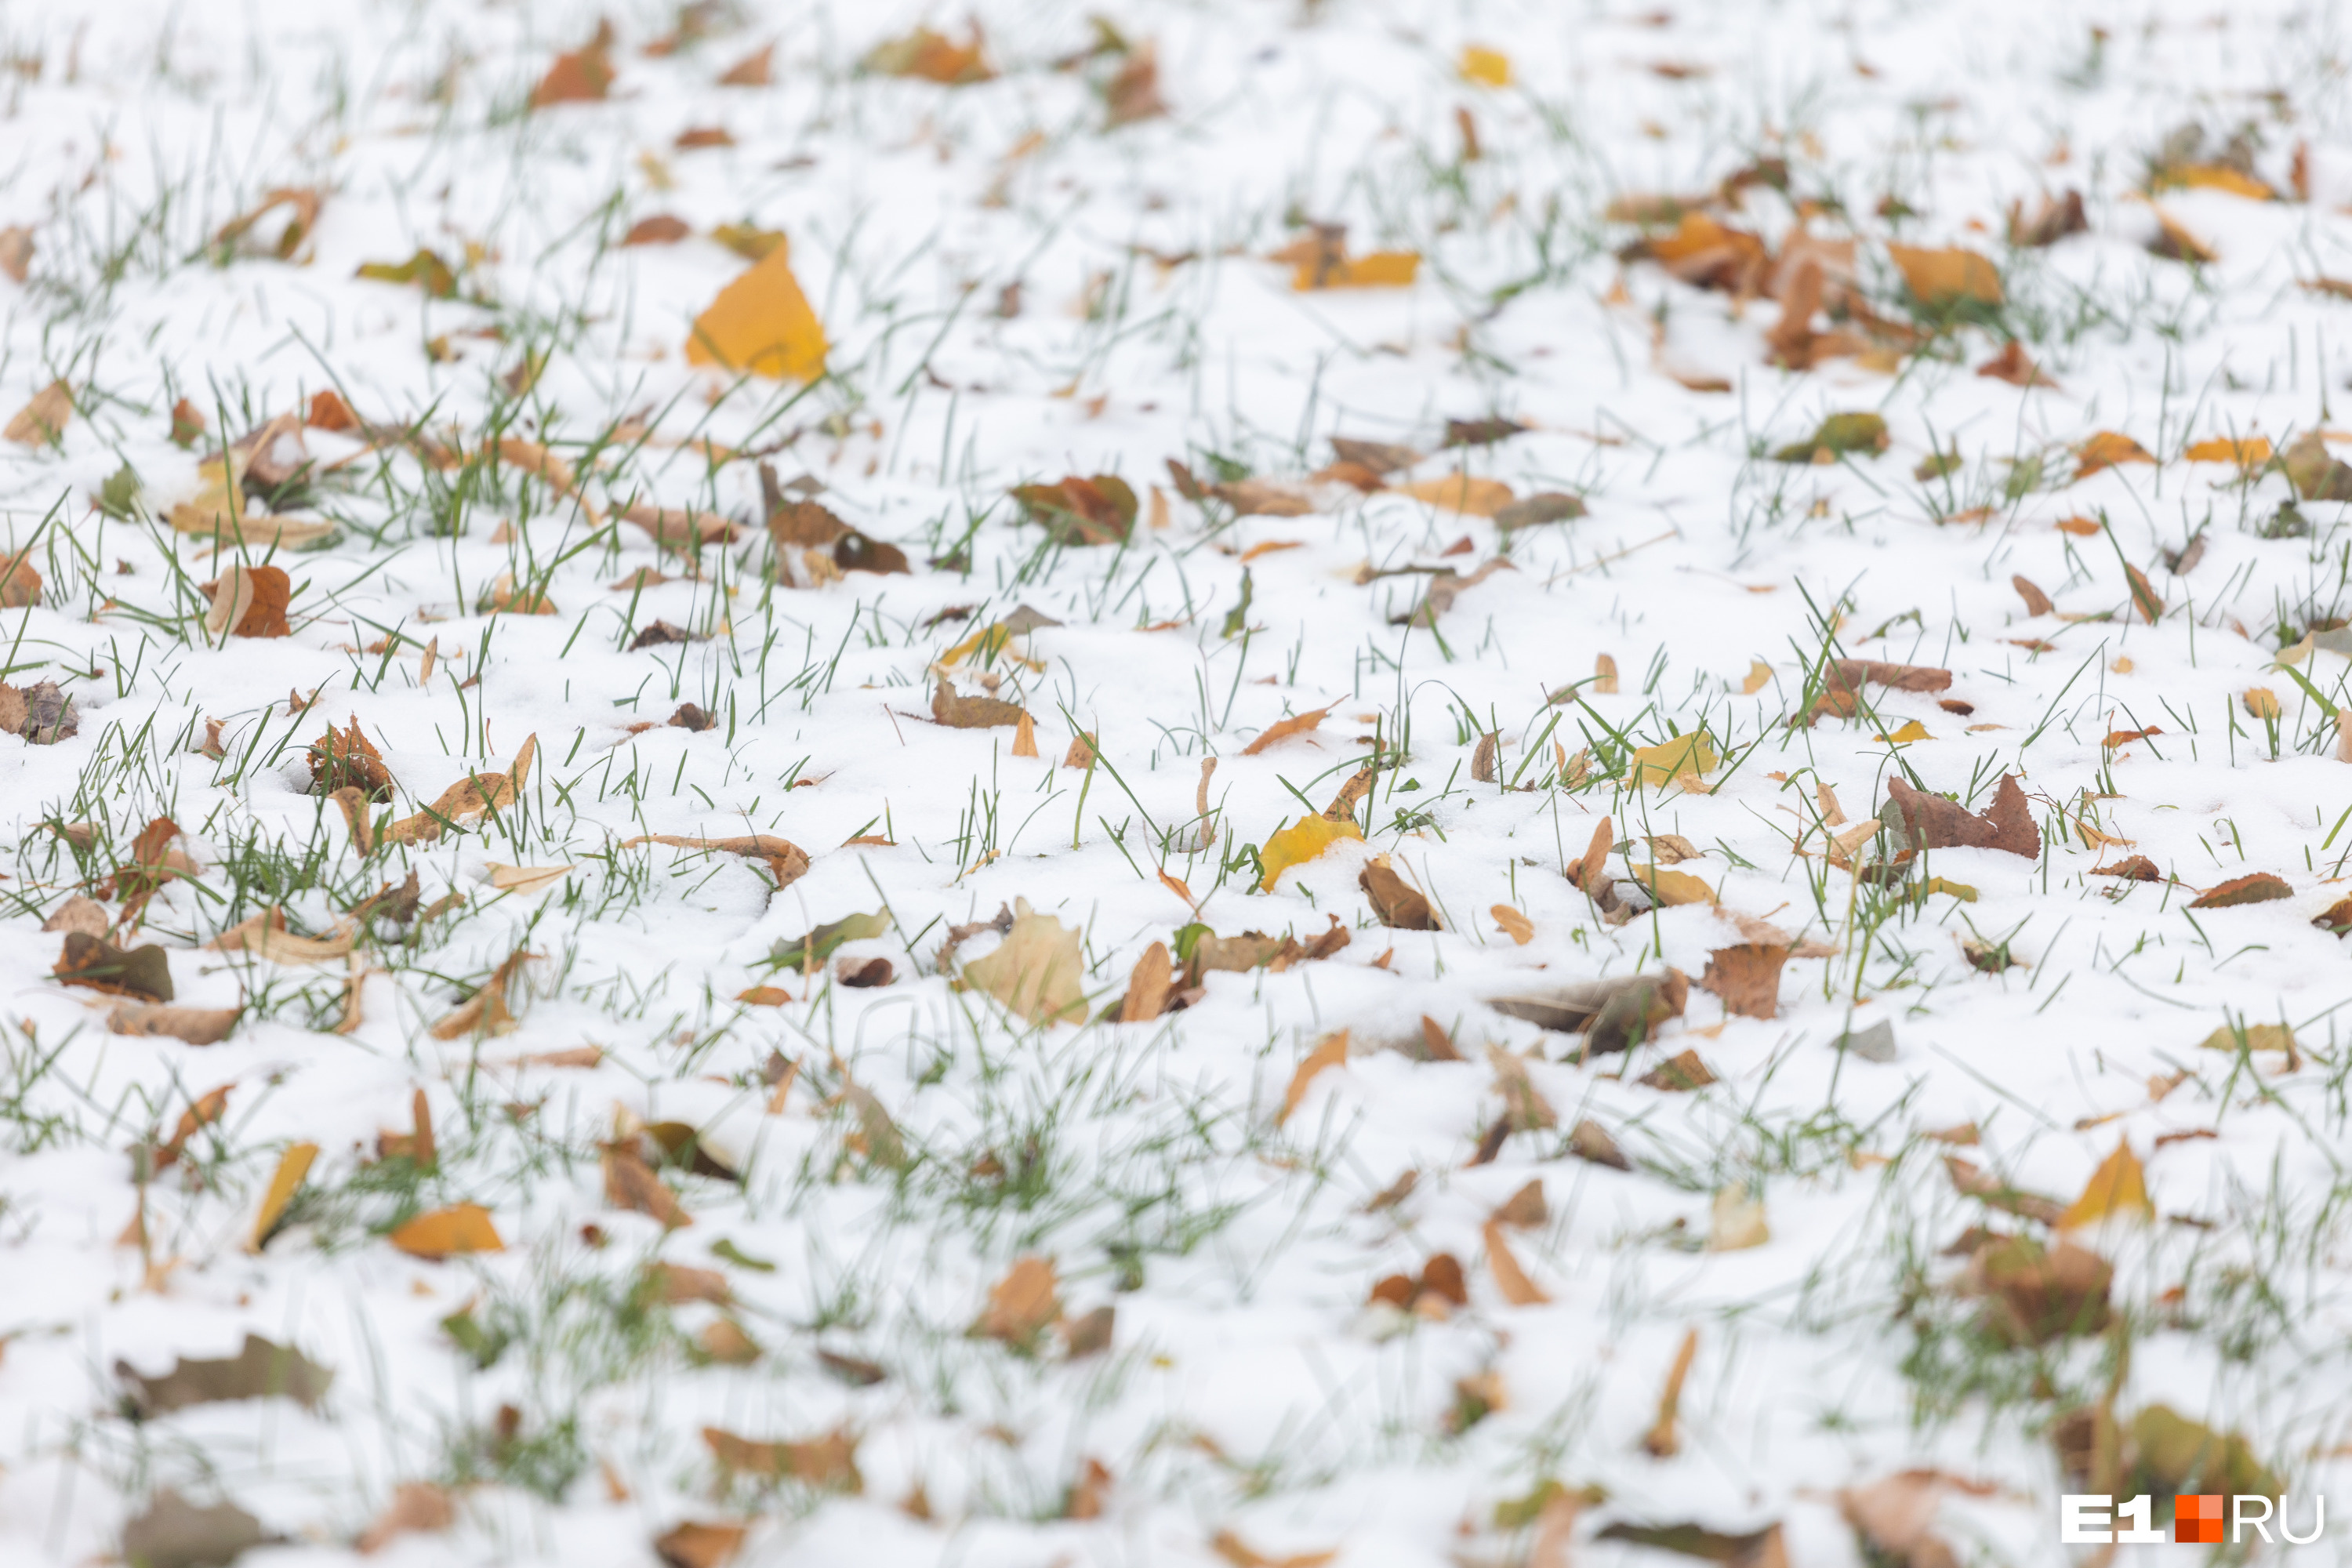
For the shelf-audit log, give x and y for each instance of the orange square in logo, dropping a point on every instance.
(2196, 1520)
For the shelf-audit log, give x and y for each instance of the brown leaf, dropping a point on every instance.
(1241, 1554)
(754, 69)
(659, 229)
(1091, 1334)
(1514, 924)
(196, 1026)
(1436, 1045)
(175, 1533)
(1398, 906)
(2260, 888)
(417, 1507)
(2315, 473)
(2012, 366)
(787, 862)
(20, 581)
(1589, 1140)
(1282, 729)
(348, 758)
(2037, 603)
(16, 252)
(1523, 1208)
(1979, 1184)
(260, 1369)
(2032, 1296)
(489, 1010)
(1100, 510)
(467, 799)
(959, 711)
(42, 714)
(1148, 986)
(828, 1462)
(1947, 277)
(2052, 222)
(1379, 458)
(692, 1545)
(44, 419)
(725, 1342)
(1664, 1441)
(630, 1184)
(1134, 93)
(1090, 1494)
(1932, 822)
(1896, 1514)
(1525, 1108)
(1747, 978)
(1036, 971)
(1543, 507)
(2137, 868)
(141, 972)
(582, 76)
(1679, 1074)
(1020, 1305)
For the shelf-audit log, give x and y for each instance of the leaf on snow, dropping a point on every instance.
(261, 1369)
(1036, 971)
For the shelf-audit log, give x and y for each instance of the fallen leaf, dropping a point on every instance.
(2315, 473)
(581, 76)
(260, 1369)
(1302, 841)
(1399, 905)
(2254, 1037)
(957, 711)
(1097, 510)
(1238, 1552)
(175, 1533)
(1133, 93)
(417, 1508)
(2260, 888)
(447, 1233)
(2137, 868)
(1461, 493)
(265, 935)
(1329, 1052)
(754, 69)
(2175, 242)
(2247, 452)
(693, 1545)
(425, 269)
(808, 953)
(630, 1184)
(2116, 1187)
(20, 581)
(930, 56)
(1670, 760)
(2014, 366)
(1487, 67)
(1928, 821)
(1663, 1441)
(787, 862)
(1939, 279)
(1525, 1108)
(1978, 1184)
(1838, 436)
(1678, 1074)
(16, 252)
(292, 1167)
(829, 1462)
(761, 324)
(2032, 1295)
(2037, 603)
(1758, 1549)
(195, 1026)
(1747, 978)
(1589, 1141)
(348, 758)
(44, 419)
(469, 798)
(141, 972)
(1510, 1278)
(1524, 1208)
(1036, 971)
(661, 228)
(1706, 254)
(1147, 987)
(1759, 675)
(1514, 924)
(1736, 1221)
(2105, 450)
(1282, 729)
(1022, 1305)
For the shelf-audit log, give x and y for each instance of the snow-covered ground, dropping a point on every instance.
(1677, 359)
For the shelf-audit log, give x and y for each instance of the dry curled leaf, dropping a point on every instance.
(1329, 1052)
(1282, 729)
(630, 1184)
(1399, 905)
(141, 972)
(1923, 821)
(787, 862)
(44, 419)
(1663, 1440)
(697, 1545)
(195, 1026)
(829, 1463)
(1147, 987)
(2260, 888)
(1510, 1278)
(466, 800)
(1747, 978)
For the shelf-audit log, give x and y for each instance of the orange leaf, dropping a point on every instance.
(762, 323)
(1331, 1052)
(2105, 450)
(1460, 492)
(292, 1166)
(1510, 1277)
(1380, 269)
(1022, 1303)
(1515, 925)
(444, 1232)
(1297, 724)
(2246, 451)
(2081, 527)
(583, 76)
(1487, 67)
(1941, 277)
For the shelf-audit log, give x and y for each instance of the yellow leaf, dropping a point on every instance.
(2260, 702)
(1302, 841)
(2219, 177)
(2117, 1187)
(762, 323)
(1691, 753)
(1674, 886)
(1760, 674)
(1460, 492)
(442, 1233)
(1035, 972)
(1332, 1051)
(42, 419)
(1913, 731)
(1021, 1304)
(1737, 1220)
(1488, 68)
(1944, 277)
(292, 1166)
(2246, 451)
(1380, 269)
